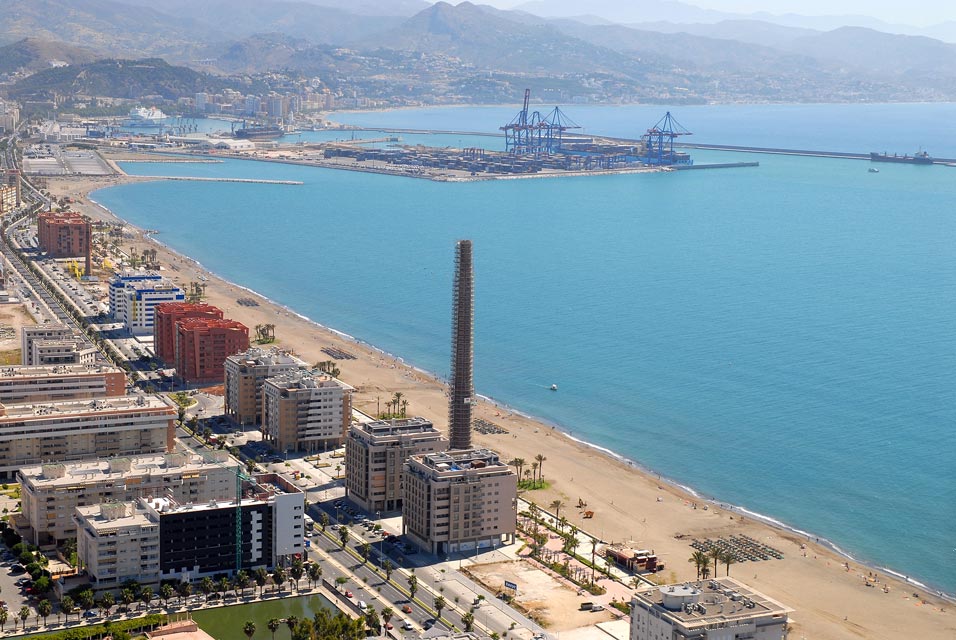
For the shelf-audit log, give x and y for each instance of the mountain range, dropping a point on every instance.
(661, 46)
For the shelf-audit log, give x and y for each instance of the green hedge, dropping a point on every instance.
(99, 630)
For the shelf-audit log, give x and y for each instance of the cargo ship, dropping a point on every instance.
(918, 158)
(259, 133)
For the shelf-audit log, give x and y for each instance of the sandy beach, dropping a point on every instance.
(832, 600)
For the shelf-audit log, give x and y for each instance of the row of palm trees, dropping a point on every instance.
(536, 471)
(702, 561)
(396, 407)
(323, 624)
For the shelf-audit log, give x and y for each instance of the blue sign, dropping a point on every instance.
(511, 585)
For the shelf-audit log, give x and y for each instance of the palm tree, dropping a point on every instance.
(166, 592)
(206, 587)
(242, 581)
(324, 521)
(261, 577)
(389, 568)
(296, 571)
(705, 567)
(315, 572)
(716, 555)
(404, 408)
(534, 475)
(698, 558)
(249, 629)
(185, 589)
(223, 586)
(24, 615)
(397, 400)
(519, 465)
(387, 614)
(278, 577)
(273, 625)
(146, 595)
(594, 543)
(44, 609)
(66, 606)
(343, 535)
(127, 596)
(291, 622)
(439, 605)
(107, 602)
(365, 549)
(728, 559)
(557, 505)
(412, 585)
(540, 460)
(3, 618)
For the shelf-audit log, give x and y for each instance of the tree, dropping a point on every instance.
(324, 521)
(278, 577)
(296, 571)
(127, 597)
(262, 577)
(387, 614)
(166, 592)
(223, 586)
(372, 620)
(249, 628)
(397, 400)
(534, 475)
(389, 568)
(44, 609)
(540, 460)
(66, 606)
(716, 555)
(315, 573)
(184, 589)
(469, 621)
(87, 599)
(343, 535)
(146, 595)
(365, 549)
(273, 625)
(107, 602)
(340, 582)
(412, 585)
(557, 505)
(24, 615)
(3, 618)
(439, 605)
(292, 622)
(728, 559)
(697, 558)
(242, 581)
(594, 543)
(206, 587)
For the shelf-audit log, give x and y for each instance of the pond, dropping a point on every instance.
(226, 623)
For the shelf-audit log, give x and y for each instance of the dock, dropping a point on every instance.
(201, 179)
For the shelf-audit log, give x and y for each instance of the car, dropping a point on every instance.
(348, 594)
(407, 608)
(388, 625)
(428, 624)
(92, 613)
(407, 625)
(17, 569)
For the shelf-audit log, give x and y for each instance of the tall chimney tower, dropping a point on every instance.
(462, 349)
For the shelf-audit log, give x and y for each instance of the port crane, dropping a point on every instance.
(534, 134)
(659, 141)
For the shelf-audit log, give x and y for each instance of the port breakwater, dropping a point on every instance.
(208, 179)
(810, 153)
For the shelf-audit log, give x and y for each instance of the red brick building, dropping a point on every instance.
(66, 235)
(202, 346)
(167, 315)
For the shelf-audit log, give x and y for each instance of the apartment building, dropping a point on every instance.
(31, 434)
(246, 373)
(39, 384)
(459, 500)
(134, 295)
(305, 411)
(40, 333)
(202, 346)
(51, 353)
(50, 492)
(66, 234)
(722, 609)
(194, 541)
(375, 455)
(166, 317)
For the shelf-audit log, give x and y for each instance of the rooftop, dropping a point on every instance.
(56, 371)
(399, 426)
(256, 356)
(709, 602)
(70, 473)
(306, 380)
(443, 461)
(104, 517)
(80, 407)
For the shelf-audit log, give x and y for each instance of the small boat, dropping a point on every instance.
(873, 170)
(554, 387)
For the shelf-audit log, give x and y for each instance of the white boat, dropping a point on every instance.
(873, 170)
(143, 117)
(554, 387)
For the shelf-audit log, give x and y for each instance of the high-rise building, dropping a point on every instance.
(167, 315)
(246, 373)
(39, 384)
(462, 390)
(66, 235)
(50, 492)
(84, 429)
(459, 500)
(202, 346)
(134, 296)
(304, 411)
(724, 609)
(375, 454)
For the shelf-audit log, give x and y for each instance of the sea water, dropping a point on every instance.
(779, 337)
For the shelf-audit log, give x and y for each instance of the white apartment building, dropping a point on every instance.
(84, 429)
(41, 333)
(459, 500)
(133, 297)
(50, 492)
(118, 542)
(304, 411)
(245, 375)
(38, 384)
(54, 352)
(375, 454)
(722, 609)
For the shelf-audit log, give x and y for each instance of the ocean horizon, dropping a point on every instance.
(779, 338)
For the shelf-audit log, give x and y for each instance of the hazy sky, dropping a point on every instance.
(916, 12)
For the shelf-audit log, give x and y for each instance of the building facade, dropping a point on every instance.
(167, 315)
(459, 500)
(63, 352)
(723, 609)
(39, 384)
(31, 434)
(193, 541)
(245, 375)
(39, 333)
(50, 492)
(375, 454)
(304, 411)
(202, 346)
(66, 234)
(134, 295)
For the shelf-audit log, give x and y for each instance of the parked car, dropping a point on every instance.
(407, 608)
(348, 594)
(92, 613)
(428, 624)
(407, 625)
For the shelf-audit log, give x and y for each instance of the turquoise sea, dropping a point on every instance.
(782, 338)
